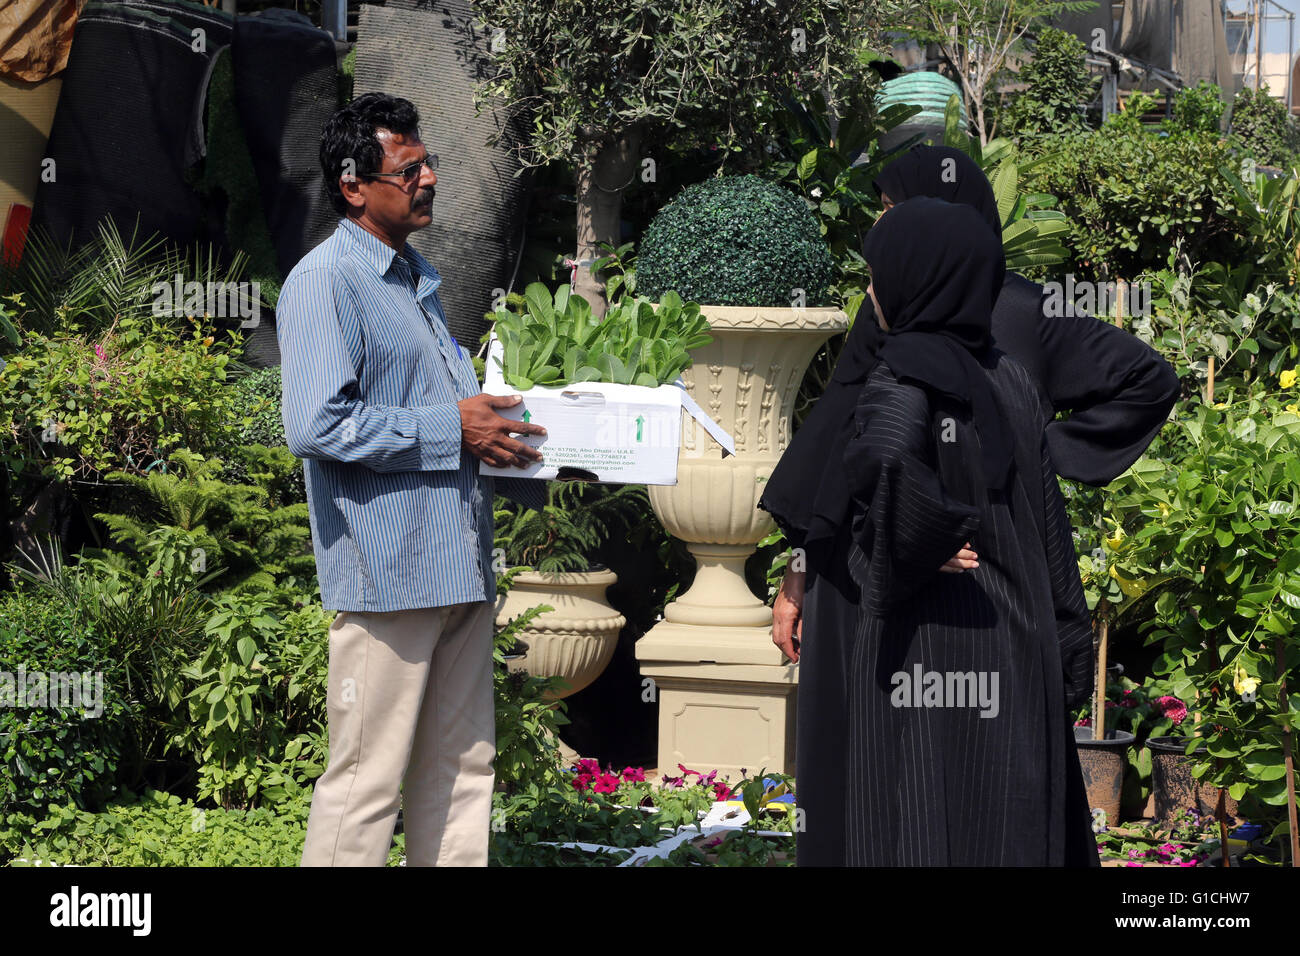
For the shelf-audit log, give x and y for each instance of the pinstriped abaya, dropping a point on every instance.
(959, 747)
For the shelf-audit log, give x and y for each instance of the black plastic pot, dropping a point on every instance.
(1175, 789)
(1103, 768)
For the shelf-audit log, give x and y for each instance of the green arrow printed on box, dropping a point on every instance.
(528, 416)
(640, 420)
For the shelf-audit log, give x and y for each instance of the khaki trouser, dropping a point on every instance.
(410, 716)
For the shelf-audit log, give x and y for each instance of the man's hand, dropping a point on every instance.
(787, 614)
(487, 435)
(963, 560)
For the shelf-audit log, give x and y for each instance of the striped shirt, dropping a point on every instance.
(400, 517)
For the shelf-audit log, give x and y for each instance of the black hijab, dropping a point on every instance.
(942, 172)
(808, 500)
(937, 272)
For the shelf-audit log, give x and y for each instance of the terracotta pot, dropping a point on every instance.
(1103, 768)
(1173, 785)
(573, 642)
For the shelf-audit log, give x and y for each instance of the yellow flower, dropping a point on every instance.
(1287, 378)
(208, 340)
(1164, 509)
(1242, 682)
(1293, 409)
(1225, 404)
(1130, 586)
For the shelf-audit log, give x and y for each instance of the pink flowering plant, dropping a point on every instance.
(677, 801)
(1190, 842)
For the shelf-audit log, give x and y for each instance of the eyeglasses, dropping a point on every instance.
(411, 173)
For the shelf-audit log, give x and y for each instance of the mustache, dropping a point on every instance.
(425, 195)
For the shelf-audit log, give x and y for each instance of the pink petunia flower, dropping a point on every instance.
(721, 791)
(582, 781)
(634, 774)
(589, 766)
(1173, 708)
(606, 783)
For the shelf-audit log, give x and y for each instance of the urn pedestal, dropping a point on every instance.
(726, 693)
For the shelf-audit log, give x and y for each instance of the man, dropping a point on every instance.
(383, 405)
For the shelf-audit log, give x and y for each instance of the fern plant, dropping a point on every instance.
(234, 528)
(577, 519)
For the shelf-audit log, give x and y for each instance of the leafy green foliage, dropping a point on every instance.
(1198, 108)
(1213, 538)
(1031, 225)
(1261, 125)
(257, 398)
(1130, 195)
(10, 305)
(72, 406)
(254, 701)
(108, 282)
(1059, 87)
(700, 74)
(557, 341)
(52, 755)
(234, 529)
(577, 519)
(831, 162)
(1211, 311)
(160, 829)
(736, 240)
(527, 720)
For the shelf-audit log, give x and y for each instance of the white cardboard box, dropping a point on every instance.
(597, 431)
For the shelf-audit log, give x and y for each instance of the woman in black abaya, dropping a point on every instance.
(1117, 389)
(959, 745)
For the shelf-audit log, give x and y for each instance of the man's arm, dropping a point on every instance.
(323, 417)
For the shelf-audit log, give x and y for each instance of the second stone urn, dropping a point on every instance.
(726, 691)
(576, 640)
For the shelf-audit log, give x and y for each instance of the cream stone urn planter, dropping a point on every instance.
(725, 692)
(576, 640)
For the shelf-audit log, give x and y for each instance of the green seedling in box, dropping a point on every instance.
(556, 341)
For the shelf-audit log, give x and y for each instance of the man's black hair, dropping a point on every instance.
(350, 134)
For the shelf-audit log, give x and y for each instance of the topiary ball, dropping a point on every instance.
(738, 240)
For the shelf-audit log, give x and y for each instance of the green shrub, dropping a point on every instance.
(52, 755)
(736, 240)
(74, 406)
(1199, 108)
(1261, 126)
(1130, 195)
(257, 397)
(1059, 87)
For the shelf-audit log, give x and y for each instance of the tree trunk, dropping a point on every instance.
(601, 183)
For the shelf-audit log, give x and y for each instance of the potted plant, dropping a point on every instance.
(1147, 711)
(753, 255)
(575, 640)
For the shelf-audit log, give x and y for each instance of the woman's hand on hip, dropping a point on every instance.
(787, 614)
(963, 560)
